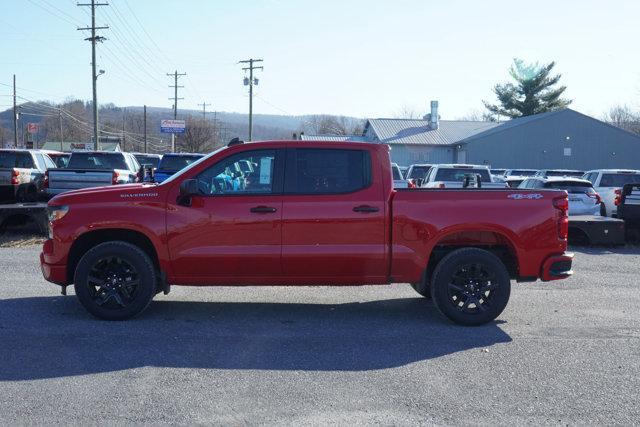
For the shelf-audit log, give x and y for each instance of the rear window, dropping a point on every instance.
(571, 187)
(419, 172)
(148, 160)
(458, 174)
(15, 159)
(97, 161)
(522, 172)
(327, 171)
(61, 160)
(576, 174)
(619, 179)
(175, 163)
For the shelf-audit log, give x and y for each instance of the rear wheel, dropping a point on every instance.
(471, 286)
(115, 280)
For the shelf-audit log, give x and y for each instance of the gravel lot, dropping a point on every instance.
(562, 353)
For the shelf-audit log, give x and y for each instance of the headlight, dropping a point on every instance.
(56, 212)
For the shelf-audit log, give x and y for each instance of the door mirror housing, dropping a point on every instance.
(188, 189)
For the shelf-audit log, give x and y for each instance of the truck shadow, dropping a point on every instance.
(49, 337)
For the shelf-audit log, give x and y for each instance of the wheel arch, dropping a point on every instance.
(90, 239)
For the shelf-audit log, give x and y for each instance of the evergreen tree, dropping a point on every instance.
(532, 93)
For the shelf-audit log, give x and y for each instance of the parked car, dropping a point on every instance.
(88, 169)
(628, 204)
(398, 178)
(313, 214)
(172, 163)
(583, 199)
(59, 158)
(152, 160)
(455, 175)
(22, 174)
(547, 173)
(606, 181)
(417, 173)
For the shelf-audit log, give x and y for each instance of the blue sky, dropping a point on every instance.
(359, 58)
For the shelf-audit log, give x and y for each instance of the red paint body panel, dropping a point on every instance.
(309, 239)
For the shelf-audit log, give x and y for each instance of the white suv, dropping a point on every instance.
(606, 181)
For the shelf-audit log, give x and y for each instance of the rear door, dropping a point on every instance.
(333, 217)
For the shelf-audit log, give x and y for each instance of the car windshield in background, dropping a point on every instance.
(619, 179)
(15, 159)
(574, 174)
(175, 163)
(61, 160)
(97, 161)
(148, 160)
(419, 172)
(458, 175)
(571, 187)
(522, 172)
(397, 175)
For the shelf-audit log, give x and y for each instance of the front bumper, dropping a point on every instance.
(54, 273)
(557, 267)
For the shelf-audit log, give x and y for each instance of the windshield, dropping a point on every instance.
(61, 160)
(419, 172)
(148, 160)
(176, 162)
(458, 174)
(80, 160)
(191, 165)
(619, 179)
(397, 175)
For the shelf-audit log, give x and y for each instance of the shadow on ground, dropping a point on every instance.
(48, 337)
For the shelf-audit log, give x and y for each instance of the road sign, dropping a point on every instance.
(32, 127)
(172, 126)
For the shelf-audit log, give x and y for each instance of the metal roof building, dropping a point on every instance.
(559, 139)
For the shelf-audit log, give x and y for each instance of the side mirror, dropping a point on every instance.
(188, 188)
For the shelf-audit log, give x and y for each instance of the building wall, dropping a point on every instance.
(564, 140)
(408, 154)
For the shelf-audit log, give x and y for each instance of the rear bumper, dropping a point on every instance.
(557, 267)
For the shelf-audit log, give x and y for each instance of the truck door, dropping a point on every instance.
(232, 231)
(333, 217)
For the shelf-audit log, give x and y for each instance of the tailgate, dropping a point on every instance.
(66, 179)
(630, 206)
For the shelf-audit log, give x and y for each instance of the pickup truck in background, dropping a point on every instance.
(459, 176)
(398, 179)
(628, 203)
(417, 173)
(607, 181)
(22, 174)
(172, 163)
(88, 169)
(583, 199)
(321, 213)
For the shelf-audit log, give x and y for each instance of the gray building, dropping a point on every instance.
(558, 139)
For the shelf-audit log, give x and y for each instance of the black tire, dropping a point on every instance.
(115, 280)
(470, 286)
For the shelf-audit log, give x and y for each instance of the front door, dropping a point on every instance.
(333, 217)
(231, 232)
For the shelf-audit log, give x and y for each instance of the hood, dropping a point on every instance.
(107, 193)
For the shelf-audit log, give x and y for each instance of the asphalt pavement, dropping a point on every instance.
(563, 352)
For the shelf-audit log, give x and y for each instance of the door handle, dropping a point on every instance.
(262, 209)
(365, 209)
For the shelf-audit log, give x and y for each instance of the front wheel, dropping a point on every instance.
(471, 286)
(115, 280)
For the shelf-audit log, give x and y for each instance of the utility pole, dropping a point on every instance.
(250, 82)
(15, 114)
(204, 109)
(124, 144)
(94, 76)
(61, 134)
(145, 128)
(175, 103)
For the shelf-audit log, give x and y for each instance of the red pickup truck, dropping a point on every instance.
(303, 213)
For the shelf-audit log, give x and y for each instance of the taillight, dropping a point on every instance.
(45, 183)
(441, 185)
(618, 199)
(14, 177)
(114, 178)
(562, 204)
(595, 196)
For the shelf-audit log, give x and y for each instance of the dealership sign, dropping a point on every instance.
(172, 126)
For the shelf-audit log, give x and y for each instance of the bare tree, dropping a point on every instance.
(624, 117)
(406, 112)
(333, 125)
(199, 136)
(478, 116)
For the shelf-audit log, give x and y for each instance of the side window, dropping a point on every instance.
(24, 160)
(40, 161)
(48, 163)
(525, 183)
(250, 172)
(327, 171)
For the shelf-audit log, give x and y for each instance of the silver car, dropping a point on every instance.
(583, 199)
